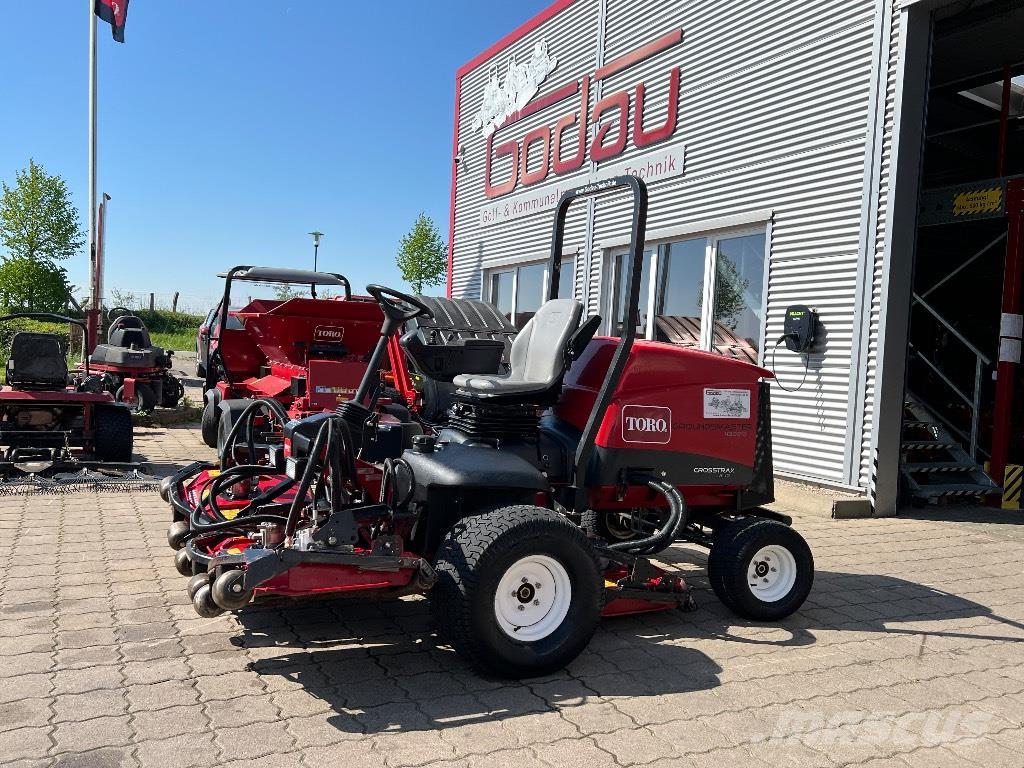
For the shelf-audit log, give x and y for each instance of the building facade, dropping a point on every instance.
(767, 133)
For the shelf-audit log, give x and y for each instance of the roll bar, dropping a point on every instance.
(637, 235)
(60, 319)
(253, 274)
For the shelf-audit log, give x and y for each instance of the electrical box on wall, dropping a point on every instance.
(800, 328)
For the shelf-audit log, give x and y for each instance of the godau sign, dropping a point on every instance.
(551, 149)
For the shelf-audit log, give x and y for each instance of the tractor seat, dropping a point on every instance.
(537, 359)
(129, 331)
(38, 361)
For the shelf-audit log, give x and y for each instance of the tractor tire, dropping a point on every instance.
(208, 424)
(488, 569)
(760, 569)
(145, 398)
(113, 433)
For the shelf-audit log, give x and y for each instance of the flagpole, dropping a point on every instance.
(92, 316)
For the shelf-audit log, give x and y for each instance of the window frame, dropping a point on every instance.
(712, 240)
(513, 269)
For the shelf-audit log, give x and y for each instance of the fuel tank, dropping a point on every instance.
(694, 417)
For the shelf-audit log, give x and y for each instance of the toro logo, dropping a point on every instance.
(563, 146)
(646, 424)
(328, 333)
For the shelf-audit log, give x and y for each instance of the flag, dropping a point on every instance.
(115, 13)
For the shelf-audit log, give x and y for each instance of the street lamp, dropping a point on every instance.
(316, 245)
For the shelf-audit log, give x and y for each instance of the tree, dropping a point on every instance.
(729, 299)
(28, 284)
(285, 291)
(37, 218)
(422, 255)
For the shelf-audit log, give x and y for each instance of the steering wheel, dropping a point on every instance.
(115, 313)
(391, 302)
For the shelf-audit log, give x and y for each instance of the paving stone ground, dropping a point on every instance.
(908, 652)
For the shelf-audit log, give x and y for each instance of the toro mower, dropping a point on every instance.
(533, 512)
(307, 354)
(132, 368)
(59, 430)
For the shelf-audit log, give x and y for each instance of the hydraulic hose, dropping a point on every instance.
(664, 536)
(266, 405)
(323, 436)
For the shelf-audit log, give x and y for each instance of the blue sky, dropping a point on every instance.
(226, 137)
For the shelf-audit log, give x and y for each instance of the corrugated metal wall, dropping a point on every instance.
(773, 114)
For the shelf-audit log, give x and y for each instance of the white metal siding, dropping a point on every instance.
(892, 63)
(773, 116)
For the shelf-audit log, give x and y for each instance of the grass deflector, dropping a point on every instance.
(531, 509)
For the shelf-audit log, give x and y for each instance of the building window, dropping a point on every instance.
(679, 301)
(518, 292)
(621, 277)
(739, 290)
(725, 317)
(501, 292)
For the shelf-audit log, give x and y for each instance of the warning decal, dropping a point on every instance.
(978, 201)
(726, 403)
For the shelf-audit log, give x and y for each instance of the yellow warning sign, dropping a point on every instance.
(1013, 478)
(977, 201)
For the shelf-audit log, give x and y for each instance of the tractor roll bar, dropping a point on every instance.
(637, 235)
(61, 319)
(253, 274)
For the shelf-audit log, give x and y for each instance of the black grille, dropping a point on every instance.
(495, 422)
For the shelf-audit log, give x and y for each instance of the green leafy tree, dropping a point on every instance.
(38, 221)
(422, 255)
(729, 290)
(28, 284)
(284, 291)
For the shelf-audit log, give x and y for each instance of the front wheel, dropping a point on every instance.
(209, 423)
(519, 591)
(761, 569)
(144, 400)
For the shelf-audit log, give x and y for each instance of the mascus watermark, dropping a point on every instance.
(818, 730)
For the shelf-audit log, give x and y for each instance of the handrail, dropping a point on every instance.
(951, 329)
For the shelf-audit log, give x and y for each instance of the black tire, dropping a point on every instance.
(208, 424)
(171, 392)
(733, 549)
(471, 562)
(604, 525)
(112, 433)
(145, 398)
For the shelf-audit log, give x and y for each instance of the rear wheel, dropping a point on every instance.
(761, 569)
(208, 424)
(112, 433)
(519, 591)
(144, 400)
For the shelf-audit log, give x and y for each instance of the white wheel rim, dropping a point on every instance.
(533, 598)
(771, 573)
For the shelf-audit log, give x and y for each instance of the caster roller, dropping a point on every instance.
(176, 533)
(229, 591)
(202, 601)
(182, 562)
(195, 583)
(165, 489)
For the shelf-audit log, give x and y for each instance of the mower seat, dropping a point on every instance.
(537, 360)
(38, 361)
(129, 331)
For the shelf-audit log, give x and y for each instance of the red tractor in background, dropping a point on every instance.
(502, 515)
(306, 353)
(132, 368)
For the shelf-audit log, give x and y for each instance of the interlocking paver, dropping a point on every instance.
(907, 654)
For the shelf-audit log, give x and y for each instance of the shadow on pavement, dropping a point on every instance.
(358, 655)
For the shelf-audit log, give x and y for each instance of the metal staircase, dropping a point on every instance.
(935, 467)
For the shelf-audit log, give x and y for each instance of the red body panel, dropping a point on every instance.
(691, 414)
(59, 396)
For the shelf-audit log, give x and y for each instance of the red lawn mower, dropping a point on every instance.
(53, 424)
(532, 512)
(306, 354)
(134, 370)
